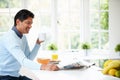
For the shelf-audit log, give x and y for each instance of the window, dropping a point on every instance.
(7, 10)
(67, 23)
(42, 21)
(99, 23)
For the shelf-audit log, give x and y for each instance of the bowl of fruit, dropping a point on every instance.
(112, 68)
(43, 60)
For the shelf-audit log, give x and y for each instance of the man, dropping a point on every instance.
(14, 49)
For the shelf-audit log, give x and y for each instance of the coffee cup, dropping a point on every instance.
(42, 36)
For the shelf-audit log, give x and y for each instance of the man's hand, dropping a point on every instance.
(50, 67)
(38, 41)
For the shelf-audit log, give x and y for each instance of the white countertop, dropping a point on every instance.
(92, 73)
(78, 74)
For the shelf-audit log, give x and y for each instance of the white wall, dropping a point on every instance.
(114, 23)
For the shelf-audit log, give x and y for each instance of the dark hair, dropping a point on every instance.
(22, 15)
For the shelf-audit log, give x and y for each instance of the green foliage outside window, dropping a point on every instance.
(104, 5)
(74, 41)
(104, 20)
(100, 23)
(3, 3)
(10, 3)
(4, 23)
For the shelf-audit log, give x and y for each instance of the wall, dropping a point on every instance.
(114, 23)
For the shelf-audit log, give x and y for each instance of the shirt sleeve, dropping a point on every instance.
(31, 54)
(34, 51)
(14, 48)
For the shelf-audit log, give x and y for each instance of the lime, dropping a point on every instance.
(117, 73)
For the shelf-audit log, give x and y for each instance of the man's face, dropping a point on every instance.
(24, 26)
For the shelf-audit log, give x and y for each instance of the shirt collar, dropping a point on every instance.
(17, 32)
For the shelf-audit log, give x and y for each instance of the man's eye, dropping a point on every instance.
(28, 22)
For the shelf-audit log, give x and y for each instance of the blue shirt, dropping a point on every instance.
(15, 52)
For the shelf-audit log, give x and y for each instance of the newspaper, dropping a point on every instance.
(78, 65)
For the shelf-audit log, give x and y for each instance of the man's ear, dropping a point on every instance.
(18, 21)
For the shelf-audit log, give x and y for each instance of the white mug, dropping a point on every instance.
(42, 36)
